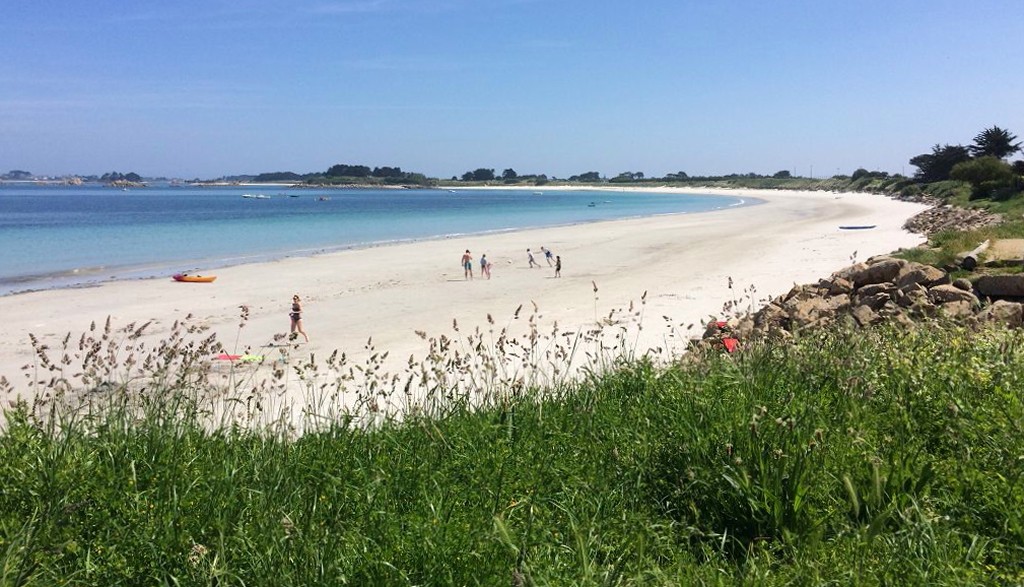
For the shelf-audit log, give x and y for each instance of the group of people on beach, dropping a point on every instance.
(467, 267)
(485, 265)
(548, 256)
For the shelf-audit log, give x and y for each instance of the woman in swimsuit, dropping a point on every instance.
(296, 315)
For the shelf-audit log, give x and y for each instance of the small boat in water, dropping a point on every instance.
(256, 196)
(186, 278)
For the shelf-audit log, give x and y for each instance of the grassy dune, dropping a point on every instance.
(843, 458)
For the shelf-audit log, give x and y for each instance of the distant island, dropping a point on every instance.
(977, 171)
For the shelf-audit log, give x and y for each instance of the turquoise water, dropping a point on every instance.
(55, 236)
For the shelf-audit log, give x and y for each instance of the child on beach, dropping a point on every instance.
(467, 265)
(485, 266)
(529, 257)
(558, 266)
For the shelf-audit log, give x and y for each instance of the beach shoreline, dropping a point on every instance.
(55, 268)
(377, 299)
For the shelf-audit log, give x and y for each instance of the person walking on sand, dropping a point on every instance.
(529, 257)
(547, 255)
(467, 265)
(296, 316)
(485, 266)
(558, 266)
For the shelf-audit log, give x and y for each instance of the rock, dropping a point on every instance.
(910, 288)
(839, 303)
(840, 286)
(803, 312)
(885, 270)
(947, 217)
(1003, 312)
(890, 309)
(875, 302)
(919, 273)
(957, 309)
(865, 315)
(945, 294)
(876, 288)
(1000, 286)
(963, 283)
(771, 315)
(848, 272)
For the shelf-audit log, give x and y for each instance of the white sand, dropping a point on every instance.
(683, 262)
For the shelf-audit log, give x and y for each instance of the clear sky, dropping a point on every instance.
(207, 88)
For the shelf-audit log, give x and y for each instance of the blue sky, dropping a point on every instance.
(206, 88)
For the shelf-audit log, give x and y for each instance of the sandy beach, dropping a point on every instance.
(684, 263)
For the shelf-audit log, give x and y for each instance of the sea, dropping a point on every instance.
(55, 236)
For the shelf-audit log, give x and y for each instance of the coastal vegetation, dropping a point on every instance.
(346, 174)
(843, 456)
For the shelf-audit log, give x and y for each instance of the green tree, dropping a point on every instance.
(278, 176)
(995, 142)
(628, 176)
(480, 174)
(341, 170)
(990, 177)
(389, 172)
(784, 174)
(509, 174)
(935, 166)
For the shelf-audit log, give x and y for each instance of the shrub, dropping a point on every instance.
(985, 174)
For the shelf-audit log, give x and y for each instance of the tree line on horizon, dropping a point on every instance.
(981, 164)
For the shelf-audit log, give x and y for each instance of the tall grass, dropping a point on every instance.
(845, 458)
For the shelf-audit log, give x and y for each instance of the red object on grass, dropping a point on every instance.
(730, 344)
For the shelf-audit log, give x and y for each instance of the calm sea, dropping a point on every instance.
(55, 236)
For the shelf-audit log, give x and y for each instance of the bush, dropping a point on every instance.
(910, 190)
(987, 175)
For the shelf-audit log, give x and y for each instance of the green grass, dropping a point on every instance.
(944, 247)
(845, 458)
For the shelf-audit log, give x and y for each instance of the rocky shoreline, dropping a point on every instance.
(885, 289)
